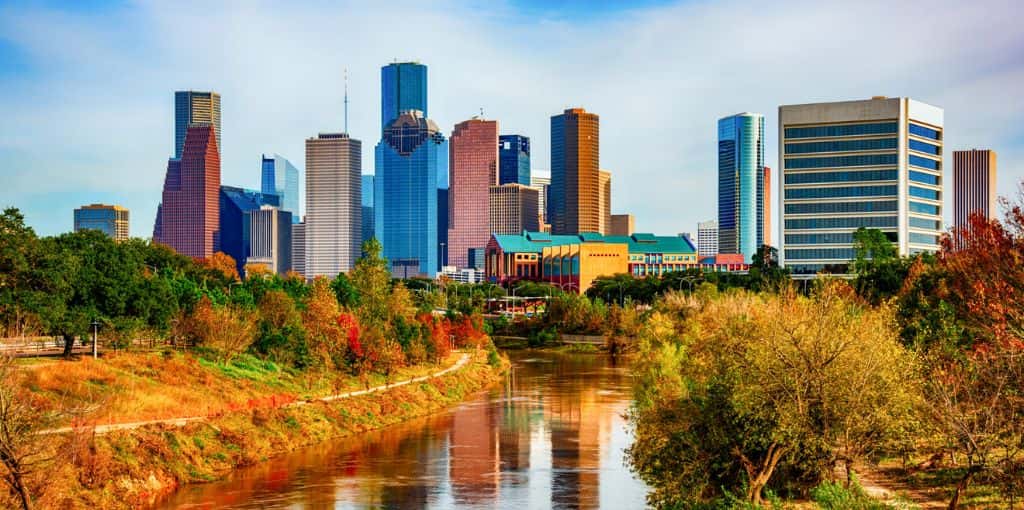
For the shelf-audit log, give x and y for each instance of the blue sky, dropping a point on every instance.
(86, 89)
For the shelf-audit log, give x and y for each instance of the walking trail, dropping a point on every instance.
(179, 422)
(880, 485)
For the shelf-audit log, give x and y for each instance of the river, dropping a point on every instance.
(551, 436)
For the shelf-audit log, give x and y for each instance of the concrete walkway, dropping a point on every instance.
(179, 422)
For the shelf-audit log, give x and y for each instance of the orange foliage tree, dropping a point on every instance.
(224, 264)
(325, 335)
(228, 330)
(440, 335)
(468, 330)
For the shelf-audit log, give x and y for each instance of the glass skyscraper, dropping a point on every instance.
(514, 159)
(367, 205)
(574, 200)
(109, 219)
(874, 163)
(235, 203)
(403, 87)
(191, 106)
(411, 173)
(281, 178)
(741, 184)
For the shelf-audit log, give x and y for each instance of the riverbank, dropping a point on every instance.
(248, 414)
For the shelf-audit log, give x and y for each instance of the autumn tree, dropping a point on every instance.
(282, 336)
(742, 385)
(224, 264)
(327, 340)
(22, 452)
(225, 329)
(372, 282)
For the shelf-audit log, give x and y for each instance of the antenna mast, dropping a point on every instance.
(346, 100)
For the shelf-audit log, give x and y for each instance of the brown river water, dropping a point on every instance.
(551, 436)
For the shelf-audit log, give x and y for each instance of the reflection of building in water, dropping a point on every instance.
(579, 431)
(473, 455)
(514, 435)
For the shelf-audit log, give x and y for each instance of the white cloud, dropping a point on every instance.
(95, 112)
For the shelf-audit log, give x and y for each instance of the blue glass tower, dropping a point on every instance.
(741, 184)
(514, 159)
(367, 205)
(279, 177)
(403, 87)
(410, 176)
(234, 204)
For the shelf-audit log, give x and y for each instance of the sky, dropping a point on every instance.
(86, 88)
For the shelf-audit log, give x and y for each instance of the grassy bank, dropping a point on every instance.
(247, 422)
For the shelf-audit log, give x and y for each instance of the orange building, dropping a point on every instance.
(575, 172)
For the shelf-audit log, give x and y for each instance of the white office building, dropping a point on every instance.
(875, 164)
(707, 238)
(333, 228)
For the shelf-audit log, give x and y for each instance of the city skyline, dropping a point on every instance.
(964, 72)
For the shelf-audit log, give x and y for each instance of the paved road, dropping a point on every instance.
(179, 422)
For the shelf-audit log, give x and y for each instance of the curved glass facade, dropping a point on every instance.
(741, 184)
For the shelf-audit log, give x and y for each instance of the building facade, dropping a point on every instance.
(194, 107)
(622, 225)
(411, 175)
(513, 209)
(741, 183)
(766, 225)
(333, 231)
(112, 220)
(279, 176)
(403, 87)
(604, 202)
(707, 238)
(875, 164)
(235, 205)
(543, 186)
(190, 210)
(473, 170)
(268, 235)
(974, 185)
(367, 207)
(299, 248)
(573, 203)
(514, 159)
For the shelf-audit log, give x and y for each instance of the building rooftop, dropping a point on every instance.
(638, 243)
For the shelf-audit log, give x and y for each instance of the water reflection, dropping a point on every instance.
(551, 436)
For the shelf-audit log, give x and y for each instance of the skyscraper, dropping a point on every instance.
(707, 238)
(191, 107)
(575, 184)
(622, 225)
(268, 234)
(604, 202)
(514, 159)
(403, 87)
(411, 172)
(543, 185)
(473, 167)
(741, 184)
(513, 209)
(974, 185)
(190, 211)
(367, 207)
(280, 177)
(109, 219)
(299, 248)
(333, 230)
(766, 225)
(235, 204)
(874, 164)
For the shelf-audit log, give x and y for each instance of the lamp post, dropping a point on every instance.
(95, 329)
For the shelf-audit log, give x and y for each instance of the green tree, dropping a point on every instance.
(372, 282)
(345, 291)
(879, 269)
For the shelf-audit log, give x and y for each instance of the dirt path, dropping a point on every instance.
(880, 485)
(181, 421)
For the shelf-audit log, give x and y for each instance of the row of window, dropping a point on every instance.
(841, 207)
(854, 222)
(841, 146)
(924, 178)
(929, 194)
(925, 132)
(830, 238)
(930, 164)
(918, 238)
(877, 128)
(925, 223)
(918, 207)
(918, 145)
(817, 268)
(841, 161)
(847, 191)
(820, 253)
(868, 175)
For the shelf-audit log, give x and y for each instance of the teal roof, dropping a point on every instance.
(534, 242)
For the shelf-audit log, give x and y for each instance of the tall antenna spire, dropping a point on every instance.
(346, 100)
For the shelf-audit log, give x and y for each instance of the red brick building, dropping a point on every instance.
(473, 170)
(190, 211)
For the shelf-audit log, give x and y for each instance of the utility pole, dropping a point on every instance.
(95, 326)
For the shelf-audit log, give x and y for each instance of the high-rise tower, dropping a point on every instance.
(403, 87)
(741, 184)
(514, 159)
(473, 149)
(575, 183)
(192, 107)
(974, 185)
(280, 177)
(875, 164)
(333, 222)
(190, 211)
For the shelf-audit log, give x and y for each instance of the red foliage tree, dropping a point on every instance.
(469, 331)
(440, 334)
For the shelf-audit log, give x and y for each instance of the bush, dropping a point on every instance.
(833, 496)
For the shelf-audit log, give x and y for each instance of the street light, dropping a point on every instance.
(95, 328)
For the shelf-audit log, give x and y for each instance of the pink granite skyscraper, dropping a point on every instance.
(473, 169)
(190, 212)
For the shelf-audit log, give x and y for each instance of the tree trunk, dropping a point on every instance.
(16, 482)
(961, 487)
(758, 475)
(69, 344)
(849, 473)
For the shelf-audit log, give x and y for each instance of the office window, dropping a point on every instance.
(841, 146)
(924, 223)
(922, 177)
(918, 145)
(930, 164)
(852, 222)
(925, 132)
(918, 238)
(842, 161)
(842, 207)
(929, 194)
(918, 207)
(847, 191)
(842, 130)
(820, 253)
(869, 175)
